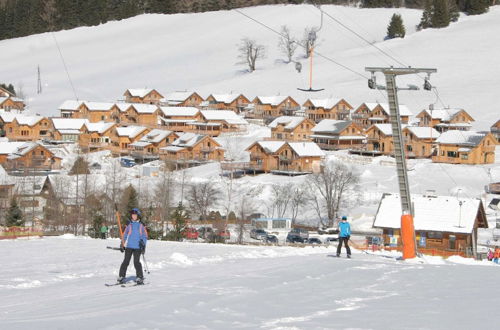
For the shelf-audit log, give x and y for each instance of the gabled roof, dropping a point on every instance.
(29, 185)
(7, 148)
(224, 98)
(272, 100)
(423, 132)
(289, 122)
(432, 213)
(464, 138)
(130, 131)
(179, 111)
(226, 115)
(269, 146)
(145, 108)
(324, 103)
(156, 136)
(331, 126)
(177, 97)
(71, 105)
(124, 106)
(140, 92)
(23, 150)
(384, 128)
(306, 149)
(445, 115)
(188, 140)
(99, 127)
(8, 117)
(403, 109)
(69, 123)
(99, 106)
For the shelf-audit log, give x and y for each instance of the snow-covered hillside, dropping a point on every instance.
(210, 286)
(199, 52)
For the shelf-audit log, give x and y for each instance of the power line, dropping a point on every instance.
(65, 67)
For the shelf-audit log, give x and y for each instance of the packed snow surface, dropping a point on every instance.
(58, 283)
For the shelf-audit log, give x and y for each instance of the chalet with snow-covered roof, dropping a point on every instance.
(270, 107)
(419, 141)
(10, 103)
(495, 130)
(227, 121)
(332, 134)
(137, 113)
(142, 95)
(25, 128)
(191, 148)
(233, 102)
(122, 137)
(465, 147)
(444, 225)
(331, 108)
(379, 139)
(285, 157)
(96, 136)
(445, 119)
(148, 147)
(98, 111)
(368, 114)
(67, 129)
(291, 128)
(178, 119)
(32, 193)
(73, 109)
(181, 99)
(27, 156)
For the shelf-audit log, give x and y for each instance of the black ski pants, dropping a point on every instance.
(339, 247)
(137, 262)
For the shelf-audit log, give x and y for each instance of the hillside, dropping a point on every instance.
(199, 52)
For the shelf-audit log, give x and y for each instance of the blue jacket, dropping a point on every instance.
(134, 232)
(344, 229)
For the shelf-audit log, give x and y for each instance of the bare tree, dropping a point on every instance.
(281, 196)
(297, 201)
(328, 189)
(287, 44)
(250, 52)
(163, 192)
(246, 203)
(309, 39)
(202, 196)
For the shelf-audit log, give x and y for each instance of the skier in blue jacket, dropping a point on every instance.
(135, 237)
(344, 235)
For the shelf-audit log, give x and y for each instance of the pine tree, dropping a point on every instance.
(179, 218)
(425, 21)
(14, 217)
(129, 201)
(453, 10)
(396, 28)
(441, 16)
(476, 7)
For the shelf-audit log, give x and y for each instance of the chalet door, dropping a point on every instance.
(452, 242)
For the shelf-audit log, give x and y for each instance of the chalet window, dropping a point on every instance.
(453, 154)
(464, 156)
(435, 235)
(42, 153)
(409, 148)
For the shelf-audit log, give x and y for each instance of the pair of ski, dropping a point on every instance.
(125, 285)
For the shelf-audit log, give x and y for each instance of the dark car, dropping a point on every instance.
(314, 240)
(258, 234)
(270, 238)
(205, 232)
(304, 234)
(224, 234)
(292, 238)
(329, 240)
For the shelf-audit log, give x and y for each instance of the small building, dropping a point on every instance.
(96, 136)
(228, 121)
(67, 129)
(368, 114)
(19, 127)
(284, 224)
(445, 119)
(148, 147)
(28, 156)
(444, 225)
(495, 130)
(179, 119)
(73, 109)
(181, 99)
(232, 102)
(379, 139)
(291, 128)
(270, 107)
(10, 103)
(330, 108)
(192, 148)
(122, 137)
(465, 147)
(332, 134)
(98, 111)
(419, 141)
(143, 95)
(137, 113)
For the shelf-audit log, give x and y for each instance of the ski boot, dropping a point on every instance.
(121, 280)
(139, 281)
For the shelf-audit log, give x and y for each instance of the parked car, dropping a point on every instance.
(294, 238)
(328, 240)
(190, 233)
(225, 234)
(205, 232)
(127, 162)
(304, 234)
(270, 238)
(314, 240)
(259, 234)
(328, 230)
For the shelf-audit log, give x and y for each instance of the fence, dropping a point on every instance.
(16, 232)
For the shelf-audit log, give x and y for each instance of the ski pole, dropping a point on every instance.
(145, 263)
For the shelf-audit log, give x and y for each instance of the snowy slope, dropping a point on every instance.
(199, 52)
(208, 286)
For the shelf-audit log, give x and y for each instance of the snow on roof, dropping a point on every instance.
(385, 128)
(306, 149)
(123, 106)
(226, 115)
(403, 109)
(99, 127)
(290, 122)
(71, 105)
(130, 131)
(225, 98)
(179, 111)
(29, 185)
(465, 138)
(432, 213)
(69, 123)
(23, 150)
(443, 114)
(141, 144)
(7, 117)
(145, 108)
(331, 126)
(172, 148)
(325, 103)
(187, 140)
(28, 120)
(156, 136)
(99, 106)
(177, 96)
(7, 148)
(271, 146)
(423, 132)
(139, 92)
(272, 100)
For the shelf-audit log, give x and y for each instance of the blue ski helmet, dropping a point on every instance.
(344, 217)
(135, 210)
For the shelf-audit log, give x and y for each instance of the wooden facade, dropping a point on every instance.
(495, 130)
(379, 139)
(368, 114)
(190, 147)
(96, 136)
(34, 156)
(270, 107)
(291, 128)
(148, 147)
(338, 134)
(457, 147)
(182, 99)
(122, 137)
(419, 141)
(234, 103)
(147, 96)
(11, 103)
(25, 128)
(336, 109)
(445, 119)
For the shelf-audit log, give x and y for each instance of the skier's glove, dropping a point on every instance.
(142, 246)
(122, 249)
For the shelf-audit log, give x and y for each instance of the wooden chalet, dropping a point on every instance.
(99, 111)
(495, 130)
(122, 137)
(291, 128)
(32, 193)
(28, 156)
(444, 225)
(10, 103)
(178, 119)
(419, 141)
(285, 157)
(368, 114)
(331, 108)
(181, 99)
(143, 95)
(445, 119)
(73, 109)
(96, 136)
(192, 148)
(270, 107)
(138, 113)
(332, 134)
(465, 147)
(379, 139)
(67, 129)
(223, 121)
(233, 102)
(25, 128)
(148, 147)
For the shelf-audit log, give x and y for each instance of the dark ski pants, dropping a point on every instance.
(137, 262)
(339, 247)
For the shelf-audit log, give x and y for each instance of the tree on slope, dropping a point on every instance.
(396, 28)
(287, 43)
(476, 7)
(250, 52)
(129, 201)
(425, 21)
(440, 16)
(14, 215)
